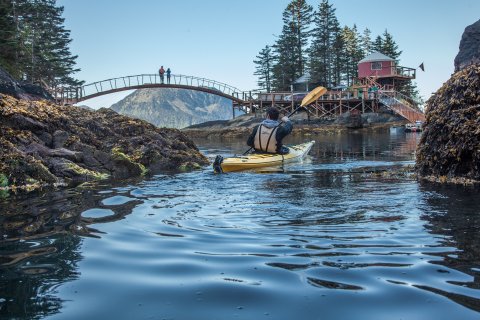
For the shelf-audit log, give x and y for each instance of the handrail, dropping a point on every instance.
(402, 107)
(135, 81)
(400, 96)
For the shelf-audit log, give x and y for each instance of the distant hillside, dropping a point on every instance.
(174, 108)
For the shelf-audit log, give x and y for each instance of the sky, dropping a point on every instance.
(219, 39)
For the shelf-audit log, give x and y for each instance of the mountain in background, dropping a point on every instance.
(174, 108)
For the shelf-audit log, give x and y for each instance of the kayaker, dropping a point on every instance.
(268, 136)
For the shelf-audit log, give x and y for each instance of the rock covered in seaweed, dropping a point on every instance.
(449, 149)
(43, 143)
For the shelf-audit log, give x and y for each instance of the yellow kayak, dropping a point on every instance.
(259, 160)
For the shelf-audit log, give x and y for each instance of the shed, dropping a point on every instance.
(376, 64)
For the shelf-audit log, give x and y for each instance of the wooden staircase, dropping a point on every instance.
(395, 101)
(399, 103)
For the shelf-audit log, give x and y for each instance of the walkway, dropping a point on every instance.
(143, 81)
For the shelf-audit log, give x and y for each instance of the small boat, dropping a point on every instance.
(259, 160)
(413, 127)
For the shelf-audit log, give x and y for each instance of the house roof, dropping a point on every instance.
(375, 56)
(303, 79)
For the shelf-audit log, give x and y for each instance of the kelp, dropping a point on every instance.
(42, 143)
(449, 149)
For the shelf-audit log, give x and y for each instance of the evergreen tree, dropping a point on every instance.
(325, 37)
(389, 47)
(386, 45)
(338, 59)
(409, 88)
(299, 17)
(366, 45)
(377, 45)
(283, 71)
(290, 46)
(264, 64)
(333, 55)
(8, 42)
(39, 42)
(353, 53)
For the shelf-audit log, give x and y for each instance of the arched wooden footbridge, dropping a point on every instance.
(144, 81)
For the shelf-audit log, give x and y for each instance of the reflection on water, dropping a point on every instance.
(331, 237)
(41, 248)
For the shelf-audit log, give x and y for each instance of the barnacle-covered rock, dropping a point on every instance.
(43, 144)
(449, 150)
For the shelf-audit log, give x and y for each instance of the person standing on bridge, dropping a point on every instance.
(168, 75)
(161, 72)
(268, 135)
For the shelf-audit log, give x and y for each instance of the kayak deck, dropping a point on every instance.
(258, 160)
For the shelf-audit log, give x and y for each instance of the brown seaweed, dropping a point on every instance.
(449, 149)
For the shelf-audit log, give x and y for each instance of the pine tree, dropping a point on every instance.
(8, 43)
(353, 52)
(299, 17)
(13, 36)
(283, 71)
(338, 59)
(52, 63)
(389, 47)
(290, 46)
(366, 45)
(264, 64)
(409, 88)
(40, 43)
(377, 45)
(324, 39)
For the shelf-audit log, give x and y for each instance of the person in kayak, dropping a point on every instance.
(268, 135)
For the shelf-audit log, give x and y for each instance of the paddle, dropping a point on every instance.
(312, 96)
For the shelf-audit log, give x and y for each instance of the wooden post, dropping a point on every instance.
(340, 105)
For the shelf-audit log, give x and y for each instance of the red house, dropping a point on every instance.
(376, 65)
(383, 69)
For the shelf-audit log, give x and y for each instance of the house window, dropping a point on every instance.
(377, 65)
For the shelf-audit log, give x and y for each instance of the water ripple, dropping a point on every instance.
(333, 236)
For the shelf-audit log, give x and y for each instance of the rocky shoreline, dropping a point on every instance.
(242, 126)
(43, 144)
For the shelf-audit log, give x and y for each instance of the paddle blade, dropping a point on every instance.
(313, 95)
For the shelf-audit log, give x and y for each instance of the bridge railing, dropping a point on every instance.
(123, 83)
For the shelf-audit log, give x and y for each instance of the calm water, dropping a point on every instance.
(334, 237)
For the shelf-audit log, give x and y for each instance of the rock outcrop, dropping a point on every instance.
(469, 47)
(43, 143)
(449, 150)
(21, 90)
